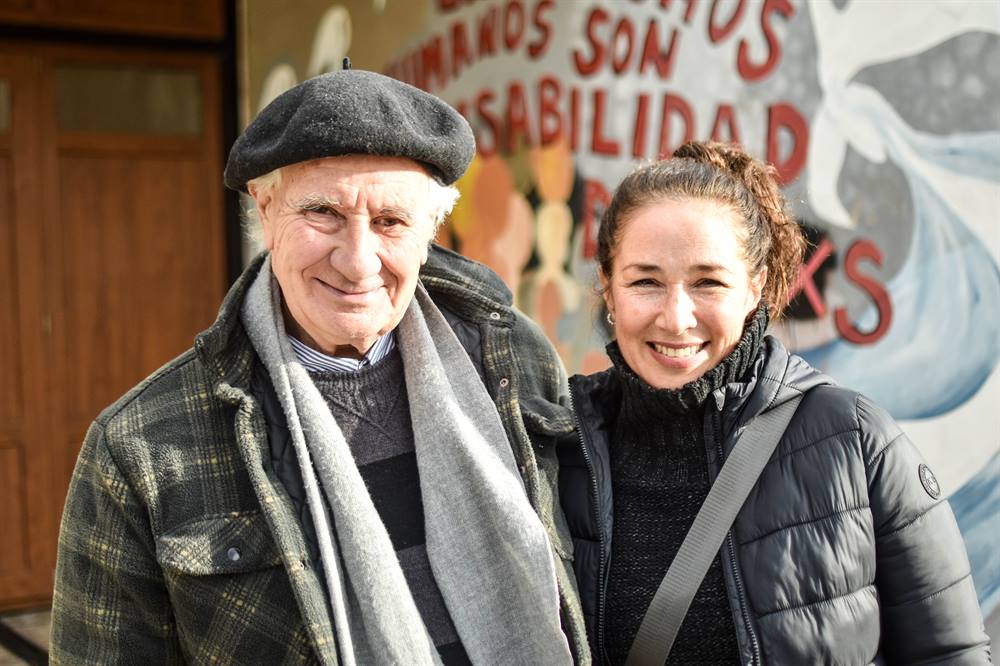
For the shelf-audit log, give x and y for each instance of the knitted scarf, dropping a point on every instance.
(488, 550)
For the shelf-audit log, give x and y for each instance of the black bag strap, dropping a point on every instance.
(738, 476)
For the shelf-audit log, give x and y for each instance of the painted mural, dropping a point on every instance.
(883, 121)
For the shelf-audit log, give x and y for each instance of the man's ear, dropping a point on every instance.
(435, 228)
(263, 205)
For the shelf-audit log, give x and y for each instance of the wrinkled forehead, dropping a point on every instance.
(364, 181)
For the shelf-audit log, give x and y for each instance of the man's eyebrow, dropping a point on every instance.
(315, 202)
(394, 211)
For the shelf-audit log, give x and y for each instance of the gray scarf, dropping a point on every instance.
(488, 550)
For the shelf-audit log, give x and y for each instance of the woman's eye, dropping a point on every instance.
(644, 282)
(708, 282)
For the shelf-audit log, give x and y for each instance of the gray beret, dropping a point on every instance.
(352, 112)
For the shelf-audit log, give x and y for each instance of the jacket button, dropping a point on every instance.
(233, 554)
(494, 315)
(503, 382)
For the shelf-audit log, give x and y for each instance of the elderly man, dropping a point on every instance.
(354, 463)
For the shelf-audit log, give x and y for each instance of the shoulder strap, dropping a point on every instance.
(725, 498)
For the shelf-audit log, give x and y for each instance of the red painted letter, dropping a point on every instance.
(674, 104)
(588, 67)
(518, 124)
(550, 123)
(747, 69)
(537, 48)
(725, 117)
(651, 53)
(784, 116)
(717, 34)
(487, 149)
(598, 142)
(594, 195)
(864, 249)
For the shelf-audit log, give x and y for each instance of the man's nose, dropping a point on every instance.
(356, 257)
(677, 314)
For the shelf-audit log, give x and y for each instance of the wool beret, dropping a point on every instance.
(352, 112)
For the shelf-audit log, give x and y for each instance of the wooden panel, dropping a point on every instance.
(16, 6)
(128, 98)
(11, 388)
(14, 554)
(136, 269)
(29, 517)
(127, 144)
(200, 19)
(4, 105)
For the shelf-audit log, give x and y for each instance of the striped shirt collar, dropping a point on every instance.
(315, 361)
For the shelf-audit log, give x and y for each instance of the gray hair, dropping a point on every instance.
(443, 199)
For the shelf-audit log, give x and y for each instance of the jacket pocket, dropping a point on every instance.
(544, 418)
(228, 595)
(238, 542)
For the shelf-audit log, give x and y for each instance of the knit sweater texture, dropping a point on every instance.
(373, 412)
(659, 482)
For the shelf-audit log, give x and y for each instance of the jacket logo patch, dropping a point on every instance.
(929, 482)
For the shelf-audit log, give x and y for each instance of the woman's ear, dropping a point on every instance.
(757, 283)
(609, 299)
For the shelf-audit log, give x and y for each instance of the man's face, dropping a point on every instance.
(347, 237)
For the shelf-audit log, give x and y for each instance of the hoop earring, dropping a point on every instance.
(611, 318)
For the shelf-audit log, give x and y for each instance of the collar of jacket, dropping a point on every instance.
(776, 377)
(467, 288)
(224, 346)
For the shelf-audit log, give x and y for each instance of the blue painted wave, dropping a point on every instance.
(948, 287)
(977, 509)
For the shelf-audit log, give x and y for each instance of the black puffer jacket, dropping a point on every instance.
(844, 552)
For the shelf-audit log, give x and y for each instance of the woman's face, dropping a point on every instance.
(680, 289)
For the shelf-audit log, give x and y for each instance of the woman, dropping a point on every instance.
(844, 551)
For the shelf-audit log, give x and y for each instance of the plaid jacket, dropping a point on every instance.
(179, 543)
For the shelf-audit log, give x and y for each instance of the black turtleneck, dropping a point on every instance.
(659, 476)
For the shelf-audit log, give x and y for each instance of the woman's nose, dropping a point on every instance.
(677, 313)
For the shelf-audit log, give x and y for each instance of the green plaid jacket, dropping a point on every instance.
(179, 543)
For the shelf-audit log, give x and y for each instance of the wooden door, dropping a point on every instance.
(121, 222)
(27, 520)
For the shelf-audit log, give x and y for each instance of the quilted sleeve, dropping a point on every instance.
(929, 609)
(110, 604)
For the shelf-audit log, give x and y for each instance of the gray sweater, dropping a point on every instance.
(373, 412)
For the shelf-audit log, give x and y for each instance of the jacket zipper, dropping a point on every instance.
(740, 592)
(602, 563)
(743, 609)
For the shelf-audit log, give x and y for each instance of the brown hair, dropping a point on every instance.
(723, 173)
